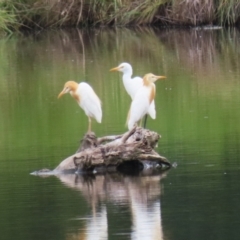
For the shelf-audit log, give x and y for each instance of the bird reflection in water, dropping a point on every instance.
(141, 194)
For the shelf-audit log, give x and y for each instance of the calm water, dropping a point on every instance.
(197, 115)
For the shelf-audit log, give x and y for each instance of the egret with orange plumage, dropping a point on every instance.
(86, 99)
(132, 85)
(142, 99)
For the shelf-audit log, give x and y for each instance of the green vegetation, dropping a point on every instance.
(15, 14)
(7, 18)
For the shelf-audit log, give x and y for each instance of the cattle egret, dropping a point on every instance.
(86, 99)
(133, 84)
(142, 99)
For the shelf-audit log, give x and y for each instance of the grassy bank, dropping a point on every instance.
(15, 14)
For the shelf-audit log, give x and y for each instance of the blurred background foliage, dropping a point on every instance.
(28, 14)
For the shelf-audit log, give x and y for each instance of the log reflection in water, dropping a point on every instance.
(140, 193)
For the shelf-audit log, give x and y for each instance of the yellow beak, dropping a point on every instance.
(114, 69)
(61, 93)
(160, 77)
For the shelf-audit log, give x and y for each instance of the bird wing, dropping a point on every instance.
(139, 106)
(89, 101)
(152, 110)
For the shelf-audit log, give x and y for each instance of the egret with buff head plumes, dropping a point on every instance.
(132, 85)
(142, 99)
(86, 99)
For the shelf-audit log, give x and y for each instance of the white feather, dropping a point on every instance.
(132, 85)
(152, 110)
(89, 101)
(139, 106)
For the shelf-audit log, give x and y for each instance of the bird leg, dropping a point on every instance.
(145, 121)
(140, 123)
(89, 124)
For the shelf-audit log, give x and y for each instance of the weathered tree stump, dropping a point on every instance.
(110, 152)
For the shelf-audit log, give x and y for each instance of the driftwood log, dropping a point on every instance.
(111, 152)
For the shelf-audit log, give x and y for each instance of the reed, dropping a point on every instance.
(15, 14)
(8, 21)
(228, 11)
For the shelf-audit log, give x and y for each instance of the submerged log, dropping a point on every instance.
(112, 151)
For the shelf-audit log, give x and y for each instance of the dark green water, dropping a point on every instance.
(197, 115)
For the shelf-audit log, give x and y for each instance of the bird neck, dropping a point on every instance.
(74, 86)
(127, 76)
(146, 82)
(127, 82)
(152, 88)
(127, 73)
(75, 96)
(152, 92)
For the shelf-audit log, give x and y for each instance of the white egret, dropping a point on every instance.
(142, 99)
(133, 84)
(86, 99)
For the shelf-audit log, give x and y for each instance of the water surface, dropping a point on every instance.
(197, 116)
